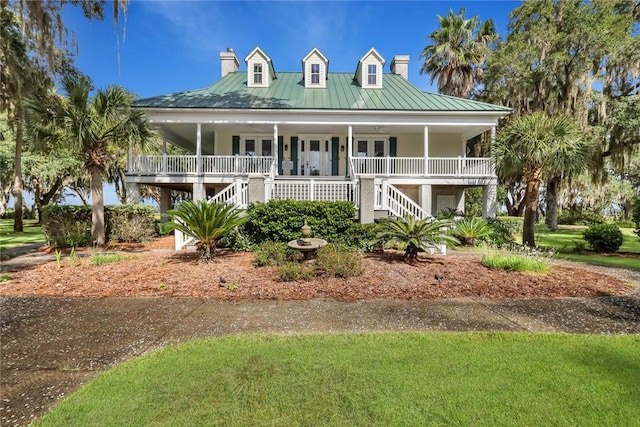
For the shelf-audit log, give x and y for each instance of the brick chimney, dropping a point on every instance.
(400, 66)
(229, 62)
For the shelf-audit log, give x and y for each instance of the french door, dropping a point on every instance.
(314, 156)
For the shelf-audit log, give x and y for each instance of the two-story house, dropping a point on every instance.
(365, 136)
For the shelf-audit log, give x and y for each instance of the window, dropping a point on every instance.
(257, 73)
(256, 145)
(315, 74)
(372, 74)
(371, 146)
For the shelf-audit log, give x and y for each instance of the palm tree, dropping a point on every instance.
(456, 54)
(30, 35)
(535, 144)
(412, 235)
(94, 127)
(206, 222)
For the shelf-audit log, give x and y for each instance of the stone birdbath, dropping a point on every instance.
(307, 245)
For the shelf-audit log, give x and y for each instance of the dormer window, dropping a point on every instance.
(315, 74)
(257, 74)
(372, 74)
(260, 72)
(315, 70)
(369, 70)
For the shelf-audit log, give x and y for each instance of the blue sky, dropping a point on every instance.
(173, 46)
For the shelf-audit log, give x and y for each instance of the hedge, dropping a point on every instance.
(70, 226)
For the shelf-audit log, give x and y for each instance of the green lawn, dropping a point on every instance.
(390, 379)
(569, 237)
(8, 238)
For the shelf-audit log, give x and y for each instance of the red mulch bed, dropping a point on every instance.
(157, 271)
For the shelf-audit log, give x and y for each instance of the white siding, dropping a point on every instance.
(315, 59)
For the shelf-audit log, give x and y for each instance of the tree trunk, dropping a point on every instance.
(17, 168)
(551, 218)
(97, 207)
(533, 177)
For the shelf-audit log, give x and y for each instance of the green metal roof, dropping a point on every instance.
(288, 92)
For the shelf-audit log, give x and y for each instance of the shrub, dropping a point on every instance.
(501, 234)
(412, 235)
(281, 220)
(70, 226)
(339, 261)
(237, 240)
(514, 224)
(636, 215)
(361, 237)
(471, 231)
(270, 253)
(514, 263)
(67, 226)
(587, 216)
(604, 237)
(130, 223)
(206, 222)
(292, 271)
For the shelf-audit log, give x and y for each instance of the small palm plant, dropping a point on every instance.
(206, 222)
(469, 230)
(412, 235)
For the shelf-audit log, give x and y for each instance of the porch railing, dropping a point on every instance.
(415, 166)
(314, 189)
(211, 165)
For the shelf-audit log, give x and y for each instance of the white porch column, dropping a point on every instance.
(426, 150)
(492, 149)
(215, 142)
(275, 147)
(425, 198)
(199, 149)
(489, 198)
(349, 149)
(164, 156)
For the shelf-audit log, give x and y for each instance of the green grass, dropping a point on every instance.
(101, 259)
(390, 379)
(569, 238)
(8, 238)
(514, 263)
(566, 238)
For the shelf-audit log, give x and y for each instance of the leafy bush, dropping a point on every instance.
(588, 216)
(280, 220)
(237, 240)
(471, 231)
(636, 215)
(130, 223)
(67, 226)
(412, 235)
(206, 222)
(514, 224)
(292, 271)
(70, 226)
(501, 234)
(361, 237)
(270, 253)
(604, 237)
(339, 261)
(514, 263)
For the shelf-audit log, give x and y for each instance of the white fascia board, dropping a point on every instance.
(195, 115)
